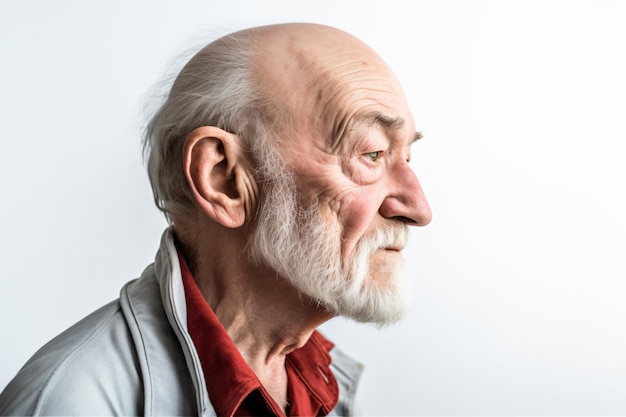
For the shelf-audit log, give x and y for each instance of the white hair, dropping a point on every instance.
(217, 87)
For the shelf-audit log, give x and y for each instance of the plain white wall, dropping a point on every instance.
(518, 282)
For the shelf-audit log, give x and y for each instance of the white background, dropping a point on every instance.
(519, 290)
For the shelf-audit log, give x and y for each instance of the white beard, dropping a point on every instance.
(303, 249)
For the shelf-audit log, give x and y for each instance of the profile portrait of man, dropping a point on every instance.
(280, 158)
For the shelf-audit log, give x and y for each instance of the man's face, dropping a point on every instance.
(353, 193)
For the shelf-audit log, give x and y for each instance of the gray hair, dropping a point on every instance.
(217, 87)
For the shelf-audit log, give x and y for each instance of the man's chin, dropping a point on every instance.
(386, 268)
(385, 302)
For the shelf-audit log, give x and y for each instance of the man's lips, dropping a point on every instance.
(393, 248)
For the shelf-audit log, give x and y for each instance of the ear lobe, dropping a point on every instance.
(212, 159)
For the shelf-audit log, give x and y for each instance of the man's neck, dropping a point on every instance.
(263, 314)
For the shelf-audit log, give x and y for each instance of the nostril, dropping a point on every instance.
(404, 219)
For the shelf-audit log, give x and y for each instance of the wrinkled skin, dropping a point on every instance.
(351, 135)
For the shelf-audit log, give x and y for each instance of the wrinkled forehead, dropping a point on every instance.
(328, 79)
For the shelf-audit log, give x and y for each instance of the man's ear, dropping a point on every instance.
(219, 176)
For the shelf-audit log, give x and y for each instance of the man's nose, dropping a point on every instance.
(406, 200)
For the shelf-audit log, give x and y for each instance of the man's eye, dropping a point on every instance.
(373, 155)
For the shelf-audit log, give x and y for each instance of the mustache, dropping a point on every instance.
(392, 237)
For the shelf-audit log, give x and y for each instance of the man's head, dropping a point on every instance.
(298, 135)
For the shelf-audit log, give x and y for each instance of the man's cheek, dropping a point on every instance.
(356, 219)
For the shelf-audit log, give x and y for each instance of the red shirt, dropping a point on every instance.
(234, 389)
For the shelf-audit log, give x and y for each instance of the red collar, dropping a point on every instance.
(233, 387)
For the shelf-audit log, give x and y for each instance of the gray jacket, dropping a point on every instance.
(133, 356)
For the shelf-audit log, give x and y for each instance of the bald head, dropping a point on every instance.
(318, 73)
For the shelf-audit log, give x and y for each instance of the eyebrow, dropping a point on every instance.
(387, 122)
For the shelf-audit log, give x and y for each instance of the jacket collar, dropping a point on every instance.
(169, 278)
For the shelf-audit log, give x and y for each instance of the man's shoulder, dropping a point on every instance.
(90, 367)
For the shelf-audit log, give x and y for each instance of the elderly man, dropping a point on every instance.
(281, 160)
